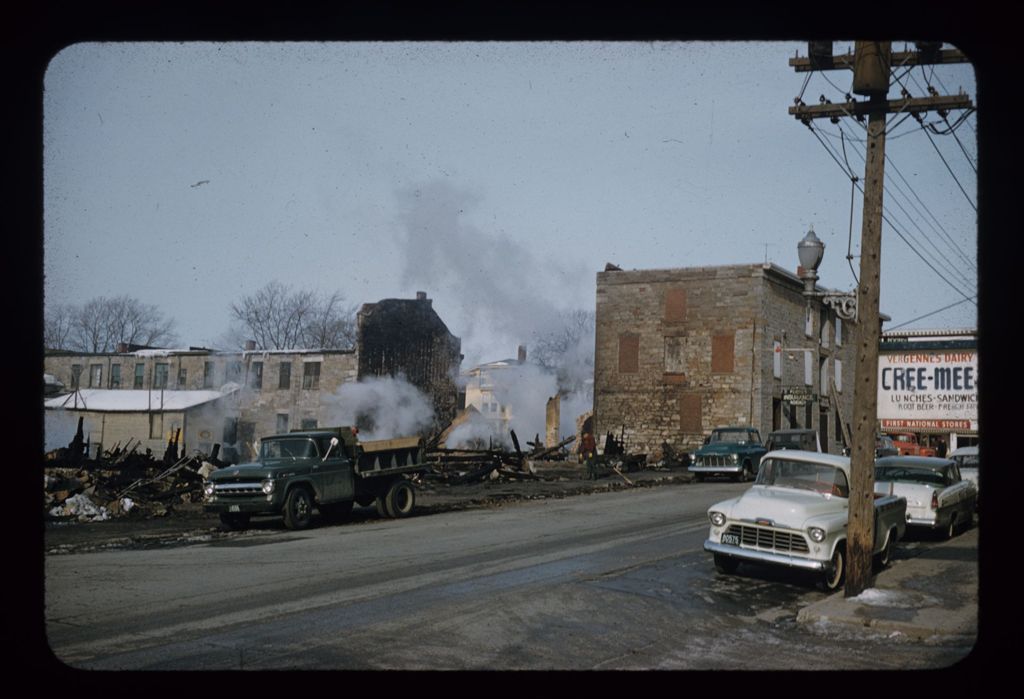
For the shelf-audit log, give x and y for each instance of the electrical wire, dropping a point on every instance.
(952, 174)
(928, 315)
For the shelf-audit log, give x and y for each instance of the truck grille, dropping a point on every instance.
(240, 490)
(716, 461)
(767, 538)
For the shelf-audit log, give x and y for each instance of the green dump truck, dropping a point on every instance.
(326, 469)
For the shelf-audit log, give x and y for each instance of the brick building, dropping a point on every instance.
(271, 390)
(681, 351)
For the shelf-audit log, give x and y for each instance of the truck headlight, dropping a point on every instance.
(717, 518)
(268, 486)
(208, 489)
(735, 458)
(817, 534)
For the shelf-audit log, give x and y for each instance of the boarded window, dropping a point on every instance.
(675, 305)
(629, 354)
(777, 361)
(723, 353)
(282, 422)
(690, 418)
(675, 358)
(839, 375)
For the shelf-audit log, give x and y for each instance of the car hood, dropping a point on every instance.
(785, 507)
(271, 468)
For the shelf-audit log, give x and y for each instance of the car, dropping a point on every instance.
(938, 498)
(884, 446)
(729, 451)
(795, 516)
(803, 439)
(967, 458)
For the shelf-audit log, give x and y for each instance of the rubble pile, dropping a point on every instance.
(121, 481)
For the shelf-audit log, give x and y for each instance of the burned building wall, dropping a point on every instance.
(407, 337)
(681, 351)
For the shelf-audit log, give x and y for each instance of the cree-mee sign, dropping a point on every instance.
(928, 390)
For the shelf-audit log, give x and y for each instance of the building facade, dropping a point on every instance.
(272, 390)
(681, 351)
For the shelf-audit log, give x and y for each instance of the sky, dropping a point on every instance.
(498, 177)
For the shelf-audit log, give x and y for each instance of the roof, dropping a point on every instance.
(816, 457)
(132, 401)
(965, 451)
(933, 462)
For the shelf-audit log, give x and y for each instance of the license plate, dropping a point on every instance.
(233, 508)
(733, 539)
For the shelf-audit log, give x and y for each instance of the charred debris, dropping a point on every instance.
(124, 481)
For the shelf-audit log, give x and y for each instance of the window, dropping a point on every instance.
(230, 430)
(96, 376)
(690, 418)
(723, 353)
(675, 305)
(208, 375)
(282, 423)
(115, 376)
(824, 327)
(76, 374)
(156, 425)
(823, 376)
(308, 423)
(675, 356)
(140, 375)
(160, 376)
(777, 359)
(311, 375)
(284, 375)
(234, 372)
(256, 375)
(839, 374)
(182, 377)
(839, 331)
(629, 354)
(808, 369)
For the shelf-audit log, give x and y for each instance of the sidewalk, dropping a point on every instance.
(924, 593)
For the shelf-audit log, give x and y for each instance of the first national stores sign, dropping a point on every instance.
(930, 391)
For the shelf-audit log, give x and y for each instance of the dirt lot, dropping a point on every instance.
(187, 522)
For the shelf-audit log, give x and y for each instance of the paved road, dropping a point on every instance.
(606, 581)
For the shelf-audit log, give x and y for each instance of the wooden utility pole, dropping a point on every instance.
(870, 62)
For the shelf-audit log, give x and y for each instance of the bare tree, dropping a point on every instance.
(100, 324)
(57, 325)
(276, 317)
(568, 351)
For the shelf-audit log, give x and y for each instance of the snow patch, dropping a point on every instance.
(82, 507)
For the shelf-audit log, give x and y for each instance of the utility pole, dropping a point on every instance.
(871, 62)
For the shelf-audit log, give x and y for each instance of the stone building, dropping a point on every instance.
(681, 351)
(272, 390)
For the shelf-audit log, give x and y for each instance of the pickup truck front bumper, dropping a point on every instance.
(766, 557)
(732, 469)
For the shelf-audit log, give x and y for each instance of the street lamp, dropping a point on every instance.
(811, 250)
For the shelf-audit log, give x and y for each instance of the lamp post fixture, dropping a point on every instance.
(811, 250)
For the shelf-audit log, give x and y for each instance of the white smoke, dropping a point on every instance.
(497, 294)
(391, 405)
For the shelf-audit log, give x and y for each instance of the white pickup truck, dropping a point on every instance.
(795, 515)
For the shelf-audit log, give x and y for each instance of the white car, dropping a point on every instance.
(795, 515)
(938, 498)
(967, 459)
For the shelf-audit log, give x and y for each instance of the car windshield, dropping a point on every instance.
(291, 447)
(908, 474)
(821, 478)
(737, 436)
(966, 460)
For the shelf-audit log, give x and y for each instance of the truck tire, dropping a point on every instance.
(401, 499)
(884, 557)
(234, 520)
(298, 508)
(835, 574)
(382, 506)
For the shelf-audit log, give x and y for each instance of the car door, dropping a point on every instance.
(335, 473)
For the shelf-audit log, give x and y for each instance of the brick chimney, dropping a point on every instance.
(422, 296)
(250, 345)
(122, 347)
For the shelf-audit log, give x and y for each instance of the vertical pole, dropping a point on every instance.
(865, 400)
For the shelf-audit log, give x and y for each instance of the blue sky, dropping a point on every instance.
(497, 177)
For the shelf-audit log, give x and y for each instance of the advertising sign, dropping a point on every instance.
(928, 391)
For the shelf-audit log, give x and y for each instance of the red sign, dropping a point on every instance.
(927, 424)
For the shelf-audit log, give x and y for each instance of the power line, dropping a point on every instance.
(927, 315)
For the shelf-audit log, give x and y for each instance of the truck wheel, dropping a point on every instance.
(835, 574)
(336, 512)
(298, 509)
(884, 557)
(401, 499)
(726, 564)
(234, 520)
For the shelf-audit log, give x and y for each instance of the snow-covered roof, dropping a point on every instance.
(130, 400)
